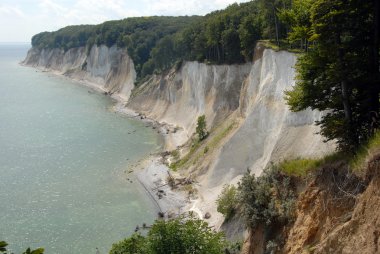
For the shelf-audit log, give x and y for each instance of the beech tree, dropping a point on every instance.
(340, 75)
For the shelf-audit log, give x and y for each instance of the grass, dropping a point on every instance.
(299, 167)
(358, 162)
(302, 166)
(181, 162)
(284, 45)
(200, 148)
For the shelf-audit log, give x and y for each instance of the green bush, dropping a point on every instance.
(177, 236)
(202, 128)
(227, 200)
(134, 244)
(3, 249)
(267, 200)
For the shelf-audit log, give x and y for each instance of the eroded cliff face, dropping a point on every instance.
(179, 97)
(108, 69)
(269, 132)
(249, 97)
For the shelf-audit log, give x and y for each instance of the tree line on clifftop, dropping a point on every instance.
(338, 71)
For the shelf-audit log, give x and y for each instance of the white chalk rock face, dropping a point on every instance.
(179, 97)
(270, 132)
(108, 69)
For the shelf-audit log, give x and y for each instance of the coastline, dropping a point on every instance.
(150, 171)
(153, 175)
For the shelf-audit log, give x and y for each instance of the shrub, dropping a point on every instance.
(3, 249)
(132, 245)
(267, 200)
(201, 128)
(227, 200)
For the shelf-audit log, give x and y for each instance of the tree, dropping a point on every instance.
(201, 128)
(185, 236)
(268, 200)
(337, 76)
(250, 31)
(177, 236)
(226, 201)
(272, 27)
(298, 18)
(136, 244)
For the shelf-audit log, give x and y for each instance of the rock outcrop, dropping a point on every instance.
(108, 69)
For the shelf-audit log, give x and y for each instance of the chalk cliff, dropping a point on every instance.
(107, 69)
(254, 93)
(248, 97)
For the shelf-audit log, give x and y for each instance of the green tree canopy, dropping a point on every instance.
(177, 236)
(201, 128)
(156, 43)
(3, 249)
(340, 75)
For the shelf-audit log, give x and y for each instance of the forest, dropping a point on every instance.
(337, 42)
(156, 43)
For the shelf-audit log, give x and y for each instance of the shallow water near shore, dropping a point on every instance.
(62, 160)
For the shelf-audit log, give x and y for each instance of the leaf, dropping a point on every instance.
(3, 244)
(38, 251)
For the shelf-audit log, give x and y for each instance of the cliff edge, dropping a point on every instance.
(250, 125)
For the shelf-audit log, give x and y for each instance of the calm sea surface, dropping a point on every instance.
(63, 154)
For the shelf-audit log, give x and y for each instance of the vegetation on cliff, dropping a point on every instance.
(340, 72)
(141, 36)
(156, 43)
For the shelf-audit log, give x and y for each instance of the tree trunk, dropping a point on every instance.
(345, 93)
(346, 102)
(374, 82)
(276, 25)
(376, 39)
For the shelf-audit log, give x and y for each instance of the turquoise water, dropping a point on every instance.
(63, 154)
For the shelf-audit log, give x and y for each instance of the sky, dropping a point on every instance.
(21, 19)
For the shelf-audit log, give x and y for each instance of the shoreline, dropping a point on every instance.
(152, 174)
(150, 171)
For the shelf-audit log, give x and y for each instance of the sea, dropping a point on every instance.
(64, 163)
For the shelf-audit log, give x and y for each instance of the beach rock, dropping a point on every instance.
(207, 216)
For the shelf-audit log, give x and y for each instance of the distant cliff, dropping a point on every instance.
(108, 69)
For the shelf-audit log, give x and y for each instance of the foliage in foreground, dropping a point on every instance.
(177, 236)
(267, 200)
(3, 249)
